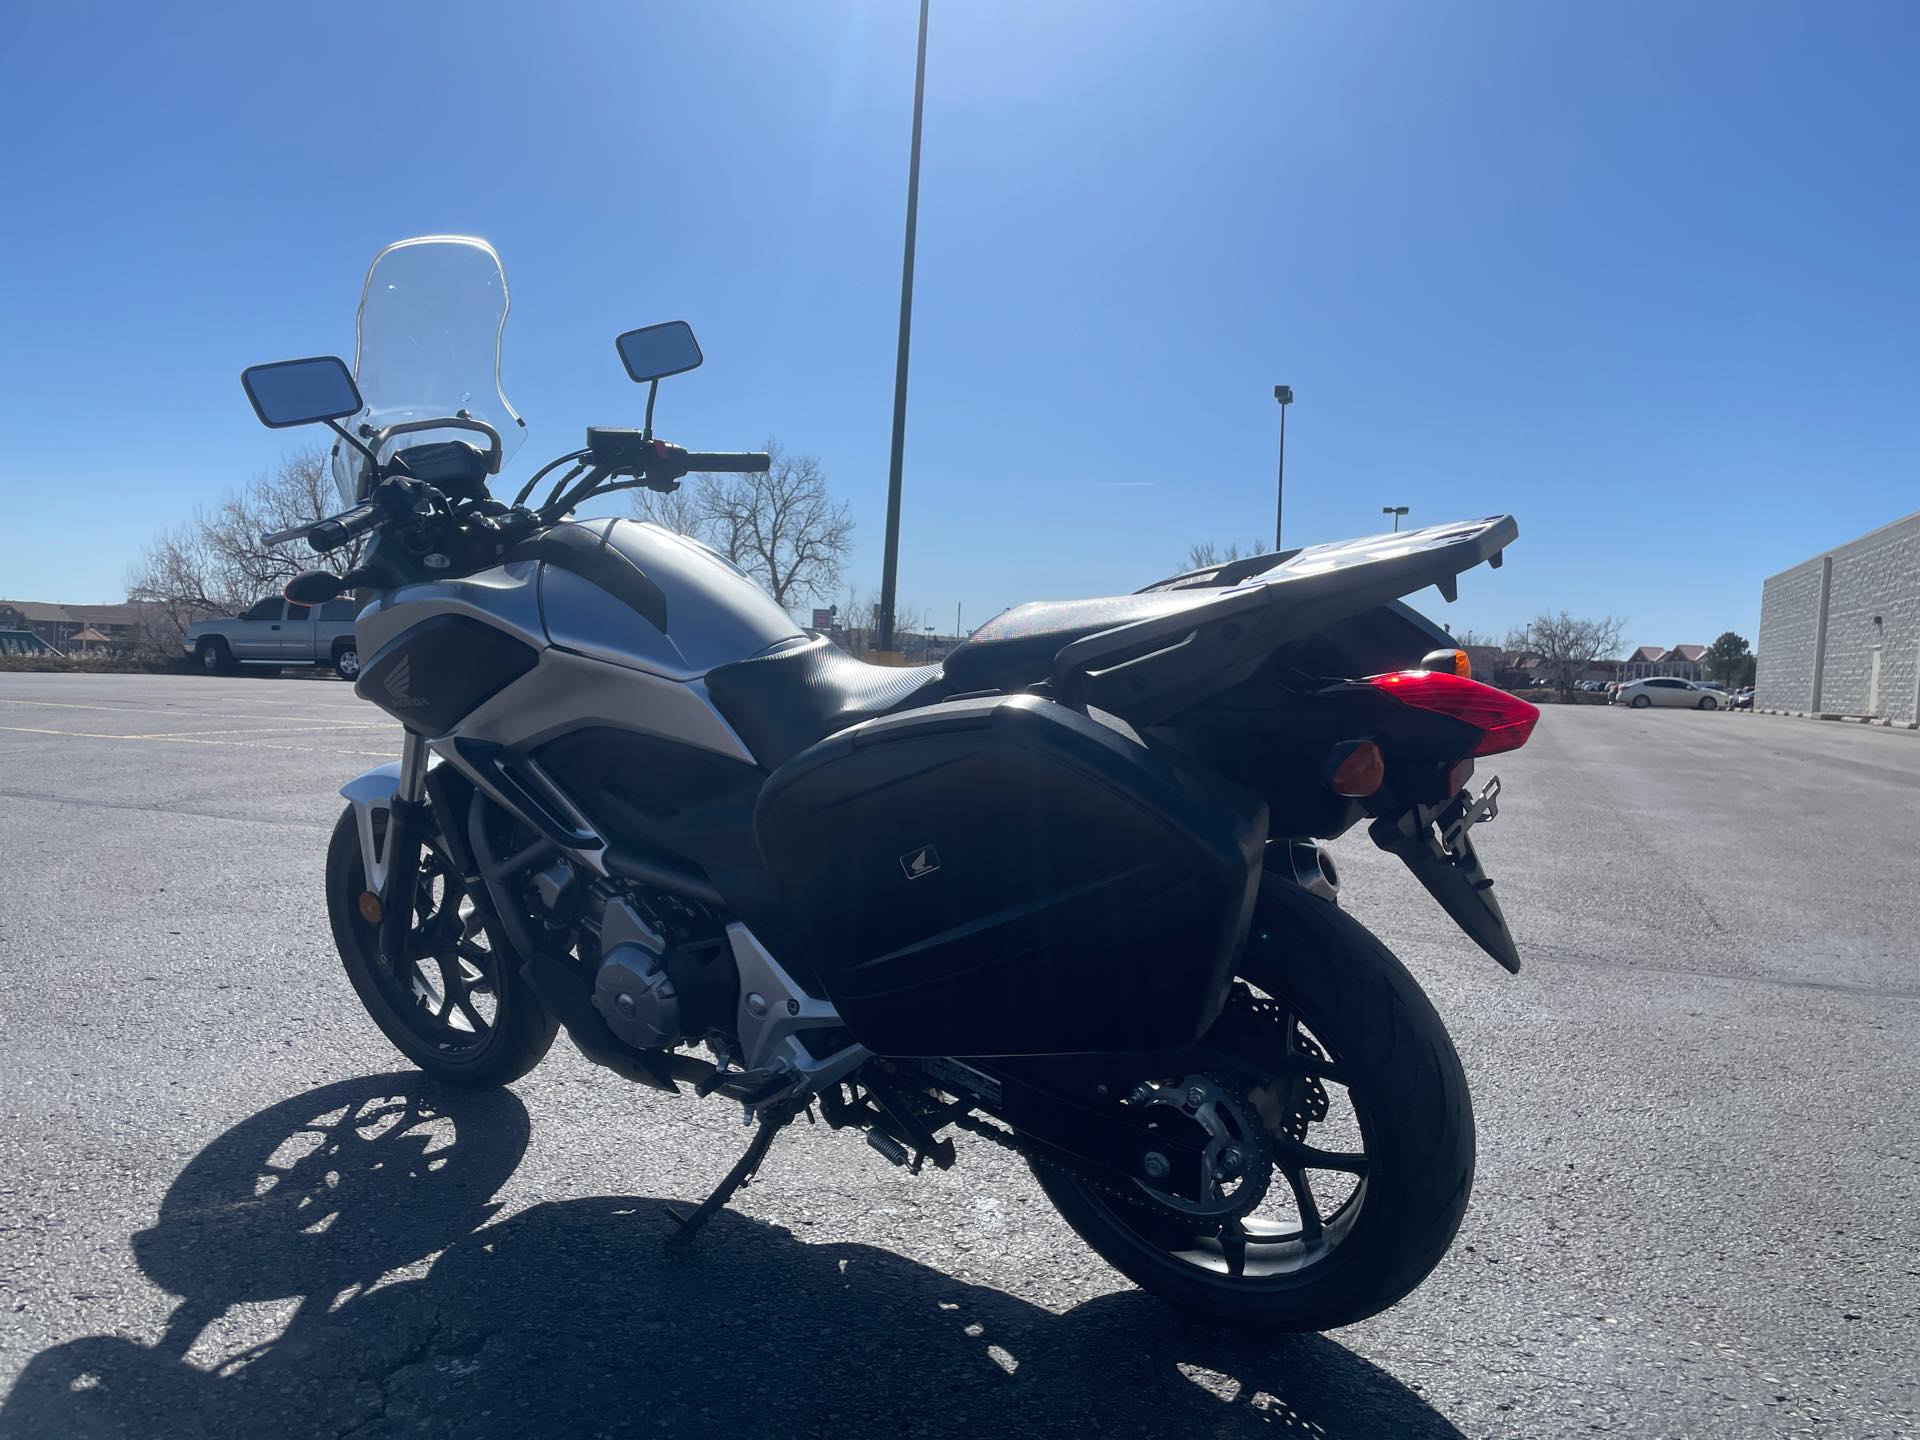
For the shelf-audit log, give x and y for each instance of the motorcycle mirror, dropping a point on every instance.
(314, 587)
(301, 392)
(657, 351)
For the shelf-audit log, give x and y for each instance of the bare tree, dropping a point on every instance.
(214, 564)
(1206, 555)
(783, 527)
(1470, 638)
(1568, 644)
(859, 619)
(678, 510)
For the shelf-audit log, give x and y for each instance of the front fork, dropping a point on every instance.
(406, 812)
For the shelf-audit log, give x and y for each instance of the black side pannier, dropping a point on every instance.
(1005, 876)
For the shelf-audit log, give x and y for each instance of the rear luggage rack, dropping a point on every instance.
(1151, 670)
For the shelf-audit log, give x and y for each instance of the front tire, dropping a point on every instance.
(1707, 702)
(1371, 1026)
(215, 657)
(456, 1006)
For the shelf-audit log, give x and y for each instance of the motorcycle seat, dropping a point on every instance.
(1015, 649)
(782, 702)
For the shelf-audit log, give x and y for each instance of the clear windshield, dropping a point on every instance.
(428, 347)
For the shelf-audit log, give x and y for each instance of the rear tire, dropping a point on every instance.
(517, 1034)
(346, 662)
(1640, 702)
(1410, 1093)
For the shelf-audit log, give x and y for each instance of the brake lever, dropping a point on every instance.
(295, 532)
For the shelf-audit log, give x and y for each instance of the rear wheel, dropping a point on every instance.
(346, 662)
(1641, 702)
(1342, 1130)
(455, 1005)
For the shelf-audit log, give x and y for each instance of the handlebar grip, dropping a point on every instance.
(736, 462)
(337, 530)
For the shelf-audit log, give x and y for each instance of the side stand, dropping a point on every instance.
(691, 1221)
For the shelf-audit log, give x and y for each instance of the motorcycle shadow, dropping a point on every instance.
(365, 1210)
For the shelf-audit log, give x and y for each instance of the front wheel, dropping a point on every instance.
(1340, 1125)
(1707, 702)
(455, 1004)
(215, 657)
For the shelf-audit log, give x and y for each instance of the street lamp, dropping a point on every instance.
(1284, 394)
(1396, 511)
(890, 561)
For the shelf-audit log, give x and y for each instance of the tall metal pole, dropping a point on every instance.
(890, 565)
(1284, 394)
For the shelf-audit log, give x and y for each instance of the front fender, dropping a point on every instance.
(371, 793)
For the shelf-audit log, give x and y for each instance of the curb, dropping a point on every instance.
(1884, 722)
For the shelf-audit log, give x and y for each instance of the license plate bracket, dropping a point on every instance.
(1436, 843)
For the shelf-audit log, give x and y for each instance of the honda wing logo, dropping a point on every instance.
(399, 686)
(923, 861)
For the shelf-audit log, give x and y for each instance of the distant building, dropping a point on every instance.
(1485, 660)
(60, 626)
(1688, 662)
(1840, 633)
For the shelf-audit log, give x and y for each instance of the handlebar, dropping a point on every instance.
(735, 462)
(337, 530)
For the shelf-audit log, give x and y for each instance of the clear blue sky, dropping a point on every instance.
(1645, 274)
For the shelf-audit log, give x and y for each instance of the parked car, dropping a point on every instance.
(1670, 690)
(276, 632)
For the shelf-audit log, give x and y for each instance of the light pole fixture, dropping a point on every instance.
(1396, 511)
(890, 562)
(1284, 394)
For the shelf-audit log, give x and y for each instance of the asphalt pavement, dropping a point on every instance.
(227, 1209)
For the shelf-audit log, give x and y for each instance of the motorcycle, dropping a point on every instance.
(1062, 893)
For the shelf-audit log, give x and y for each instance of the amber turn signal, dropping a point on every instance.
(1451, 662)
(1359, 771)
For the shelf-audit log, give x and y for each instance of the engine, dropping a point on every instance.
(632, 988)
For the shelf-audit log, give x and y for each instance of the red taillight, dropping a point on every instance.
(1505, 721)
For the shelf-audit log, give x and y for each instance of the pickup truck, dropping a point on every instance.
(276, 632)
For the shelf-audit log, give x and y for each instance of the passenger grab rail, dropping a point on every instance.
(1150, 670)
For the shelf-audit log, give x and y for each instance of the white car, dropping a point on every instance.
(1670, 690)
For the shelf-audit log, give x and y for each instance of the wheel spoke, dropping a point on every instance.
(465, 1006)
(1311, 1227)
(1233, 1246)
(454, 983)
(1313, 1158)
(1304, 1061)
(474, 960)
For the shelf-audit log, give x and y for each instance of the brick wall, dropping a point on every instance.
(1872, 605)
(1789, 621)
